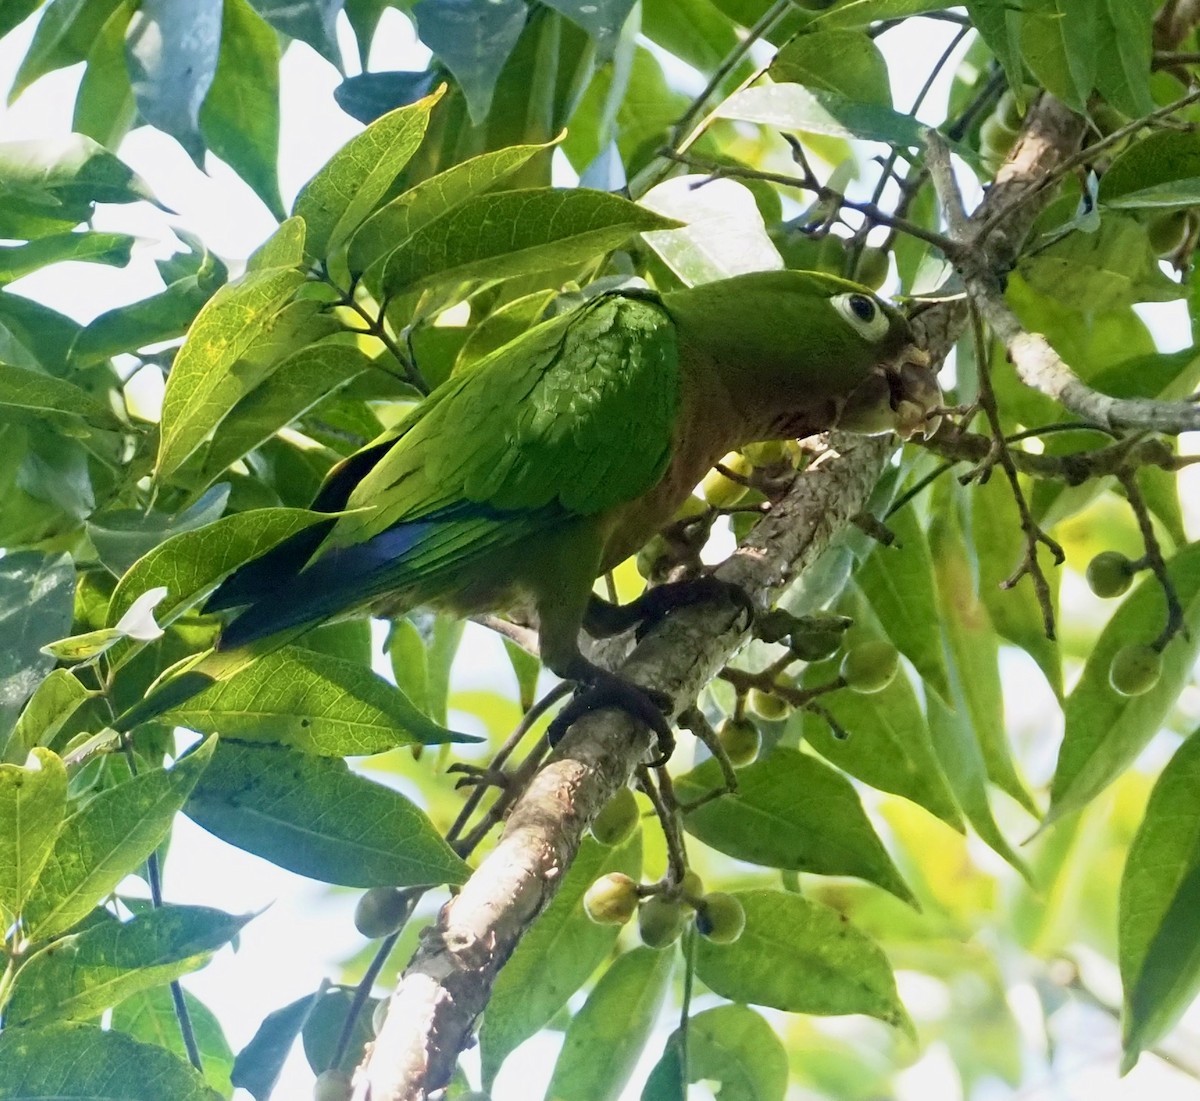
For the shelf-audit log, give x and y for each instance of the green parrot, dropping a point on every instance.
(519, 481)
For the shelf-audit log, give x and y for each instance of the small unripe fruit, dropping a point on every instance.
(740, 739)
(1008, 112)
(995, 138)
(332, 1085)
(691, 509)
(766, 453)
(872, 268)
(870, 666)
(380, 912)
(1135, 669)
(649, 557)
(767, 705)
(816, 645)
(720, 918)
(617, 820)
(1109, 574)
(1168, 232)
(660, 921)
(722, 492)
(691, 887)
(611, 900)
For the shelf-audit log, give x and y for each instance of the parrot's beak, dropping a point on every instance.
(901, 397)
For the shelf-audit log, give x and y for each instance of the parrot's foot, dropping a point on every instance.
(655, 604)
(603, 689)
(480, 776)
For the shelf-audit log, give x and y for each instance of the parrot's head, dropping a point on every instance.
(808, 344)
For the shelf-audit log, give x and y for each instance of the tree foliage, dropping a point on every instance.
(853, 837)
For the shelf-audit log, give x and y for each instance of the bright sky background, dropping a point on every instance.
(305, 926)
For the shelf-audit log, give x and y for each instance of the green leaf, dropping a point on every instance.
(36, 602)
(790, 811)
(605, 1038)
(96, 248)
(858, 13)
(283, 249)
(1105, 731)
(1060, 41)
(511, 233)
(83, 1062)
(1123, 54)
(1158, 946)
(104, 106)
(149, 1016)
(554, 959)
(999, 26)
(1161, 161)
(801, 957)
(301, 381)
(259, 1063)
(889, 746)
(172, 48)
(33, 804)
(311, 21)
(46, 395)
(63, 36)
(336, 200)
(323, 1030)
(54, 701)
(392, 225)
(1102, 271)
(473, 39)
(503, 324)
(602, 19)
(190, 563)
(106, 839)
(239, 118)
(312, 702)
(734, 1046)
(845, 62)
(315, 817)
(203, 384)
(898, 583)
(79, 976)
(16, 12)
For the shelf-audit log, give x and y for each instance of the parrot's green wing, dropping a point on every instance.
(573, 418)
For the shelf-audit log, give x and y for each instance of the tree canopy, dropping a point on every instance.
(955, 751)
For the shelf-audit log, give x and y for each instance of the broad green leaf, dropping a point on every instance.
(84, 1062)
(301, 381)
(790, 811)
(283, 249)
(1163, 159)
(602, 19)
(42, 394)
(898, 583)
(322, 1030)
(1059, 41)
(369, 96)
(506, 323)
(392, 225)
(33, 804)
(845, 62)
(859, 13)
(36, 600)
(149, 1016)
(105, 840)
(95, 248)
(977, 699)
(888, 747)
(79, 976)
(511, 233)
(258, 1065)
(171, 49)
(312, 702)
(190, 563)
(1102, 271)
(1174, 195)
(554, 959)
(605, 1038)
(999, 26)
(204, 384)
(104, 106)
(1159, 950)
(63, 36)
(793, 107)
(473, 39)
(311, 21)
(1123, 54)
(15, 12)
(337, 199)
(240, 114)
(54, 701)
(801, 957)
(315, 817)
(732, 1045)
(1105, 731)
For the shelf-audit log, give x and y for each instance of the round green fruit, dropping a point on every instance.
(332, 1085)
(618, 819)
(1109, 574)
(720, 918)
(691, 887)
(740, 739)
(1008, 111)
(766, 453)
(1169, 232)
(722, 492)
(612, 899)
(767, 705)
(1135, 669)
(995, 138)
(660, 921)
(870, 666)
(380, 912)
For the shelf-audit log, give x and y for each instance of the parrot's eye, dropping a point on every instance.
(863, 313)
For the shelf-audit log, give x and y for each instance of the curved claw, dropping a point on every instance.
(609, 690)
(479, 776)
(663, 599)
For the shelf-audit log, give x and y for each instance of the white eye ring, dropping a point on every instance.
(863, 313)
